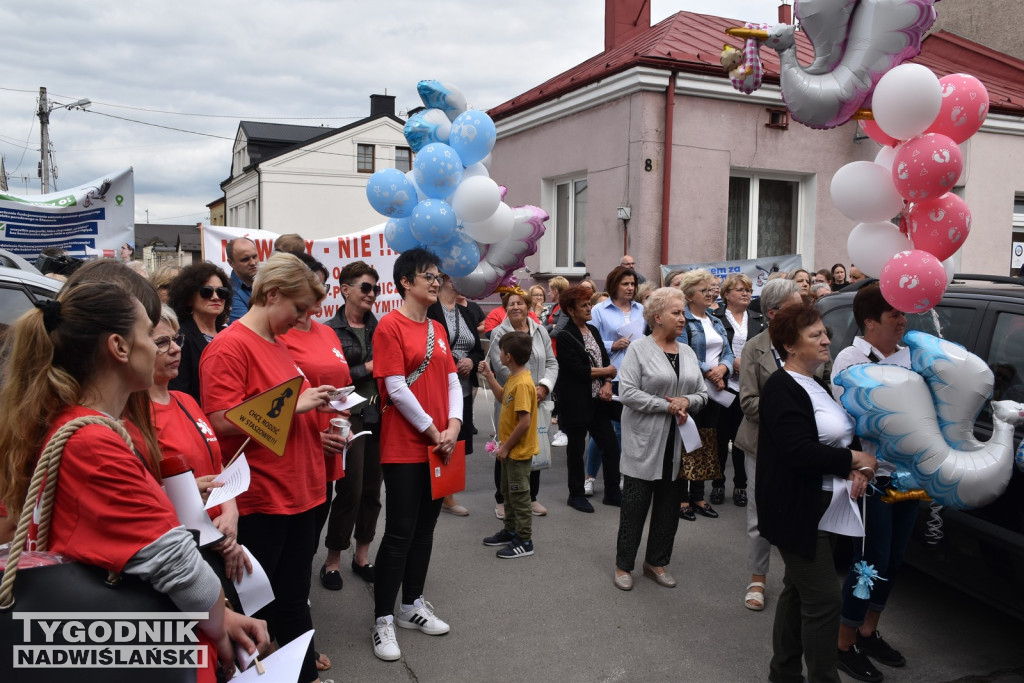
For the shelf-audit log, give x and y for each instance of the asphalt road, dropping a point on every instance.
(556, 616)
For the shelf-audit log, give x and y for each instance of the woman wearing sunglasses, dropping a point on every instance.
(201, 298)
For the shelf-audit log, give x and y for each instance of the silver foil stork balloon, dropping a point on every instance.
(855, 43)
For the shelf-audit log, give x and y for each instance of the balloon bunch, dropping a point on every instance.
(448, 202)
(920, 121)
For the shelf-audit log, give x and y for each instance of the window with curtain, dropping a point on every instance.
(763, 216)
(570, 221)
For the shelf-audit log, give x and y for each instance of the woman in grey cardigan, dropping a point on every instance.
(543, 368)
(660, 385)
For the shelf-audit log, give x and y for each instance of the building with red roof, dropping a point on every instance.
(647, 149)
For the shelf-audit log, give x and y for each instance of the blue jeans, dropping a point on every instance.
(594, 451)
(888, 528)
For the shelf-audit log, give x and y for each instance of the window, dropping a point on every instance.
(570, 221)
(772, 207)
(403, 159)
(364, 158)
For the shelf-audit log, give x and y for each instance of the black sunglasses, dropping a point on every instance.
(206, 292)
(366, 288)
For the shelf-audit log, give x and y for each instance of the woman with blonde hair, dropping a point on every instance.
(277, 515)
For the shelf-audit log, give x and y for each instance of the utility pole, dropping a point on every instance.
(44, 141)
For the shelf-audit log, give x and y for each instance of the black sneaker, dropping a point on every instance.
(515, 549)
(717, 495)
(856, 664)
(580, 503)
(879, 650)
(503, 537)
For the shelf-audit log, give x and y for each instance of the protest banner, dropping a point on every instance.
(757, 269)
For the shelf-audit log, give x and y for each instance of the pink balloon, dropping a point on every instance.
(964, 107)
(913, 281)
(940, 226)
(872, 130)
(927, 167)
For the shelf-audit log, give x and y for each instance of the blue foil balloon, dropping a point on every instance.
(426, 126)
(472, 136)
(398, 235)
(443, 96)
(433, 222)
(390, 193)
(438, 170)
(459, 256)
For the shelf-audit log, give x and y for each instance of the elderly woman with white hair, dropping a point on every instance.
(660, 385)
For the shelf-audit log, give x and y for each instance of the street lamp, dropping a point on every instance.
(44, 133)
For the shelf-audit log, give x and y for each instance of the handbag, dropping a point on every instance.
(542, 460)
(69, 587)
(702, 464)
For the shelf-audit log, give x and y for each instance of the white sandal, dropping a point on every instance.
(754, 596)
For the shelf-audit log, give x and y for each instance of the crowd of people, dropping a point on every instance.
(628, 368)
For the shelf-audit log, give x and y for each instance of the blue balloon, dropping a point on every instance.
(459, 256)
(426, 126)
(390, 193)
(399, 235)
(443, 96)
(433, 222)
(472, 136)
(438, 170)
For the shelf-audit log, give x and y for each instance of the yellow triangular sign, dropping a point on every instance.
(267, 417)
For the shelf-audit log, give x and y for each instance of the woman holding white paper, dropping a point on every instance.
(661, 386)
(705, 334)
(182, 429)
(803, 453)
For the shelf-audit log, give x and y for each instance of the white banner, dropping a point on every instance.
(333, 252)
(94, 219)
(757, 269)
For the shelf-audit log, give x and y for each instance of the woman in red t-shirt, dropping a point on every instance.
(317, 352)
(423, 410)
(182, 428)
(277, 514)
(85, 354)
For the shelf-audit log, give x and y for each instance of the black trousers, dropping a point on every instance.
(728, 424)
(637, 496)
(285, 545)
(357, 495)
(600, 430)
(403, 557)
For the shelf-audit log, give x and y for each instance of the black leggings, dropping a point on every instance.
(284, 545)
(404, 553)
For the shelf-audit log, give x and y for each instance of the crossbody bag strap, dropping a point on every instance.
(418, 372)
(199, 431)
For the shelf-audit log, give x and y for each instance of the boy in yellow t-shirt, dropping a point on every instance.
(517, 431)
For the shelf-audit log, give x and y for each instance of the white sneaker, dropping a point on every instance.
(588, 487)
(385, 644)
(422, 616)
(560, 439)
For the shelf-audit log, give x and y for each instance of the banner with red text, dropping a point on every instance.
(334, 252)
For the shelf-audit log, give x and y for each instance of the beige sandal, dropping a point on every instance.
(754, 600)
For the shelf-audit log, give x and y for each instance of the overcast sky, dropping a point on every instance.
(210, 64)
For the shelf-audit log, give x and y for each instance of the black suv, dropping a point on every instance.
(979, 551)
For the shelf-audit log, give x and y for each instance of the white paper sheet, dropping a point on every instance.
(254, 589)
(690, 436)
(626, 331)
(347, 403)
(842, 516)
(720, 396)
(236, 482)
(283, 665)
(188, 503)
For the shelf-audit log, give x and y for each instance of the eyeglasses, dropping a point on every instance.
(702, 291)
(743, 290)
(207, 292)
(163, 344)
(441, 278)
(366, 287)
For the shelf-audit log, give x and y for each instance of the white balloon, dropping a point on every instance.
(906, 100)
(486, 161)
(871, 245)
(948, 265)
(420, 196)
(864, 191)
(885, 157)
(494, 228)
(475, 199)
(474, 170)
(439, 119)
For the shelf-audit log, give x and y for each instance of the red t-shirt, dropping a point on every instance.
(235, 366)
(498, 315)
(399, 346)
(176, 433)
(318, 352)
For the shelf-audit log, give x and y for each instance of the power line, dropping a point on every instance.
(157, 125)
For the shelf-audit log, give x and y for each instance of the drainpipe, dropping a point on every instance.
(666, 177)
(259, 198)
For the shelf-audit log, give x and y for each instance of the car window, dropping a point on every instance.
(955, 323)
(1006, 359)
(14, 301)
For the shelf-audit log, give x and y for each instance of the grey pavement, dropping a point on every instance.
(556, 616)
